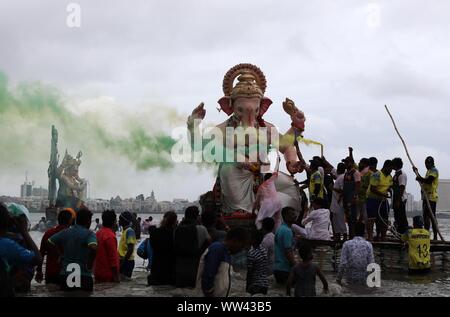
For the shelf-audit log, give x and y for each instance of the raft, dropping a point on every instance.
(435, 246)
(391, 254)
(240, 219)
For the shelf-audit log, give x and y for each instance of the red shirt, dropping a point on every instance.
(107, 256)
(53, 266)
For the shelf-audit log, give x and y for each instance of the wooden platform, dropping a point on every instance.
(391, 255)
(435, 246)
(246, 220)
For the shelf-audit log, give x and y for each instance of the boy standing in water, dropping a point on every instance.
(284, 245)
(106, 266)
(53, 265)
(126, 244)
(303, 275)
(268, 242)
(98, 226)
(257, 259)
(77, 245)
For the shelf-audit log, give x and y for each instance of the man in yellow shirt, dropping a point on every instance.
(377, 204)
(315, 181)
(126, 244)
(430, 186)
(418, 240)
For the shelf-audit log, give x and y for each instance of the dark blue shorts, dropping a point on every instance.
(127, 267)
(373, 205)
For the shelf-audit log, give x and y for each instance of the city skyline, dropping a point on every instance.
(178, 204)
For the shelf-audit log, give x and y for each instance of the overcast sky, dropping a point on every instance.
(340, 61)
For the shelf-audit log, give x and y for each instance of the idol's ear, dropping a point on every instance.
(225, 105)
(265, 104)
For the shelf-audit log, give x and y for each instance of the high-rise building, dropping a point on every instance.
(410, 207)
(40, 192)
(444, 195)
(26, 189)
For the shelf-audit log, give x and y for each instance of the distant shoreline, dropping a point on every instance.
(141, 213)
(440, 214)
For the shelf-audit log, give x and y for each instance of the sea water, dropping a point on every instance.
(395, 280)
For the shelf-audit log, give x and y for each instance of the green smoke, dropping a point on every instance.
(144, 150)
(28, 111)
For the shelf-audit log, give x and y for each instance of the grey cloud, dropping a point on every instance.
(322, 54)
(395, 79)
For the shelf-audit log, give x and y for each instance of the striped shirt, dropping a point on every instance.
(257, 262)
(269, 243)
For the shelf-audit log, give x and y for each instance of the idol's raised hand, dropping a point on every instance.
(198, 113)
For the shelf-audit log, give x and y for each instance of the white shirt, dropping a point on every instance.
(334, 173)
(320, 224)
(402, 180)
(336, 201)
(321, 171)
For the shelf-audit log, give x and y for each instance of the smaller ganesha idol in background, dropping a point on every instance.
(72, 188)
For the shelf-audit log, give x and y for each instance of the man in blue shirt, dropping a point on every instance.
(12, 255)
(215, 264)
(79, 246)
(284, 245)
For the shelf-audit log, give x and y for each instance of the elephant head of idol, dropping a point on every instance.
(245, 101)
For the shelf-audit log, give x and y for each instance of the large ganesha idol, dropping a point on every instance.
(245, 105)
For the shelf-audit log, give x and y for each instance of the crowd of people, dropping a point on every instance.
(173, 250)
(345, 204)
(361, 193)
(349, 201)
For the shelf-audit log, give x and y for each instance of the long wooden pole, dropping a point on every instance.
(424, 194)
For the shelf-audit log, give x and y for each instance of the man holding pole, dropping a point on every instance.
(430, 186)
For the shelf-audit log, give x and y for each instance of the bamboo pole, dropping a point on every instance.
(424, 194)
